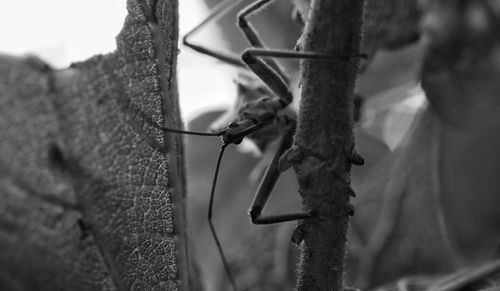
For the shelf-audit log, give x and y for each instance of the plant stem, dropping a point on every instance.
(324, 141)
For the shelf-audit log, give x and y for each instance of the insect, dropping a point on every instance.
(261, 110)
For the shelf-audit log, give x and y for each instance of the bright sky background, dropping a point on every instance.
(63, 31)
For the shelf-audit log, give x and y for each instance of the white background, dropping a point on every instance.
(64, 31)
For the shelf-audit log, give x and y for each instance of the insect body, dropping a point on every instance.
(261, 112)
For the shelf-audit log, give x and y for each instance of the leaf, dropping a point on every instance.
(91, 189)
(477, 277)
(440, 204)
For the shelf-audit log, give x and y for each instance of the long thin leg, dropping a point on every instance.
(254, 60)
(221, 9)
(287, 54)
(250, 33)
(267, 184)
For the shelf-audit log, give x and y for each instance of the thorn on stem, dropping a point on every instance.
(84, 228)
(351, 192)
(350, 209)
(356, 159)
(298, 233)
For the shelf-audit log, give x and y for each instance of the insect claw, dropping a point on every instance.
(299, 231)
(289, 158)
(284, 164)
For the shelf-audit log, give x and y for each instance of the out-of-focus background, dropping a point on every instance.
(64, 31)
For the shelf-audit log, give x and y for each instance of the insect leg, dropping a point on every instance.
(250, 33)
(253, 53)
(267, 184)
(270, 77)
(253, 57)
(221, 9)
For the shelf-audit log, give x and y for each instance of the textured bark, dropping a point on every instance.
(324, 144)
(91, 191)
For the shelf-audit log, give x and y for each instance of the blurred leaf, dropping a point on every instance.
(438, 211)
(478, 277)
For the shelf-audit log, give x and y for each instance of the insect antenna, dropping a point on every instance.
(169, 129)
(150, 120)
(212, 228)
